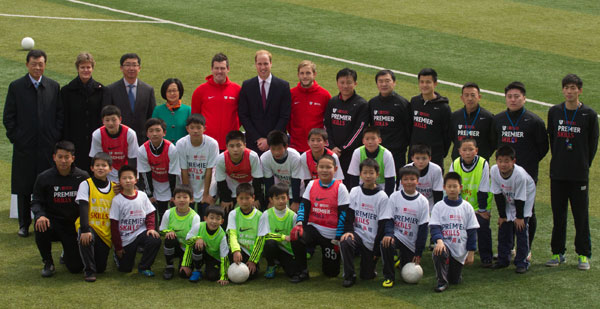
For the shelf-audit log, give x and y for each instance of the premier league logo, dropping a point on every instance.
(56, 188)
(503, 128)
(416, 113)
(560, 121)
(335, 110)
(460, 126)
(375, 112)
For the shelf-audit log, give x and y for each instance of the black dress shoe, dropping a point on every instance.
(348, 282)
(302, 276)
(499, 266)
(23, 232)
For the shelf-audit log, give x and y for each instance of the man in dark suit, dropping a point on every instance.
(132, 96)
(264, 104)
(33, 118)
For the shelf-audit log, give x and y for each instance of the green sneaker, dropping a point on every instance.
(270, 273)
(556, 260)
(387, 283)
(308, 255)
(584, 263)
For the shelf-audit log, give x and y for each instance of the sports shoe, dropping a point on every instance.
(169, 271)
(584, 263)
(49, 269)
(499, 266)
(349, 282)
(486, 264)
(89, 277)
(302, 276)
(441, 287)
(23, 232)
(196, 276)
(270, 272)
(387, 283)
(146, 272)
(556, 260)
(521, 270)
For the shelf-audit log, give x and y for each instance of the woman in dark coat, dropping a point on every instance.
(82, 102)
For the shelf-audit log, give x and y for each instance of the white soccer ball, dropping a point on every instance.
(27, 43)
(412, 273)
(238, 273)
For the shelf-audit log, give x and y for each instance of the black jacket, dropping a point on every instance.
(392, 116)
(572, 165)
(82, 104)
(345, 121)
(528, 137)
(33, 119)
(54, 194)
(257, 121)
(480, 130)
(431, 125)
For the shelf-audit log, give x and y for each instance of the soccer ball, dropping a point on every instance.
(238, 273)
(27, 43)
(412, 273)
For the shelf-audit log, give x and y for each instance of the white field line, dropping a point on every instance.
(299, 51)
(83, 19)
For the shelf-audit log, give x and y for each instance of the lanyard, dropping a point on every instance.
(569, 124)
(514, 125)
(474, 120)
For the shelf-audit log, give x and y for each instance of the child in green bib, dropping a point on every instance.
(275, 225)
(208, 246)
(242, 230)
(475, 173)
(178, 224)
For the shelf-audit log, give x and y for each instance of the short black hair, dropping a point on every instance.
(346, 72)
(385, 72)
(427, 72)
(102, 156)
(127, 168)
(110, 110)
(220, 57)
(372, 129)
(572, 79)
(36, 53)
(467, 140)
(452, 175)
(368, 162)
(318, 131)
(276, 137)
(130, 56)
(196, 119)
(278, 189)
(183, 188)
(409, 170)
(421, 149)
(515, 85)
(167, 83)
(245, 187)
(155, 121)
(214, 209)
(66, 146)
(470, 85)
(328, 157)
(235, 135)
(506, 151)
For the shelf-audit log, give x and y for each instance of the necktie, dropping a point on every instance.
(131, 97)
(263, 95)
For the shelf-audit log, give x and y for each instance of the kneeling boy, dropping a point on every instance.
(408, 211)
(453, 228)
(321, 220)
(362, 227)
(178, 224)
(275, 225)
(208, 247)
(132, 224)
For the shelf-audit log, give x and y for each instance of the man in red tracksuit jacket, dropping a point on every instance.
(217, 101)
(309, 101)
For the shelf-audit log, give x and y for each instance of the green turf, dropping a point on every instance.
(463, 42)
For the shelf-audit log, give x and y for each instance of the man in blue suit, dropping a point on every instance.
(264, 104)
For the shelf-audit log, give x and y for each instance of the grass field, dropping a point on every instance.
(489, 42)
